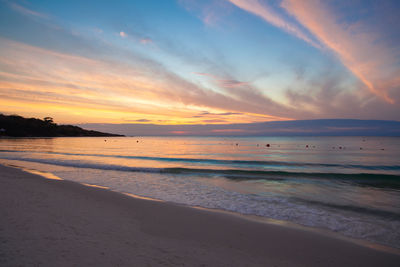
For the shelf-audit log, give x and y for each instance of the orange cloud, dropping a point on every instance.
(80, 89)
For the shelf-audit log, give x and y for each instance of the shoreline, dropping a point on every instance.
(249, 217)
(63, 222)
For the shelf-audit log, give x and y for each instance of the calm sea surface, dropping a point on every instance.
(349, 185)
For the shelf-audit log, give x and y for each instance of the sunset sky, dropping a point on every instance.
(200, 61)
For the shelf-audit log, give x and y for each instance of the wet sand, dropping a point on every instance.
(47, 222)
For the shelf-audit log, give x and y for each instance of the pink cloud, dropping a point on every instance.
(359, 51)
(210, 12)
(271, 16)
(146, 41)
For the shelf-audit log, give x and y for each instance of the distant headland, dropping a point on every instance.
(319, 127)
(17, 126)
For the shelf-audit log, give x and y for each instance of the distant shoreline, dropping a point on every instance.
(44, 137)
(17, 126)
(320, 127)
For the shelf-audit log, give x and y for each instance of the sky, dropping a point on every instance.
(174, 62)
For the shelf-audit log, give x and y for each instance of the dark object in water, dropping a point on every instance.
(267, 145)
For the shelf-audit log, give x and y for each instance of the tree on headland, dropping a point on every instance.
(48, 120)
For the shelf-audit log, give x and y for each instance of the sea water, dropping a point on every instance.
(349, 185)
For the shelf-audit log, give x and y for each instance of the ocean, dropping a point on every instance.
(346, 185)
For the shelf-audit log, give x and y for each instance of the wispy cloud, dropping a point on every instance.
(136, 38)
(224, 83)
(210, 12)
(26, 11)
(268, 14)
(223, 113)
(362, 52)
(148, 74)
(109, 89)
(138, 120)
(146, 41)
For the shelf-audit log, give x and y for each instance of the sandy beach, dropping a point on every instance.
(47, 222)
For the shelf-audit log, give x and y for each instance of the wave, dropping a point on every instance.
(223, 161)
(389, 215)
(362, 179)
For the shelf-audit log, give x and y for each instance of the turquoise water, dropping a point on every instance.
(349, 185)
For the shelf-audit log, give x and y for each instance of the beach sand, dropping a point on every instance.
(60, 223)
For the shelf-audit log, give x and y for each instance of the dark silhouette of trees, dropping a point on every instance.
(48, 120)
(17, 126)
